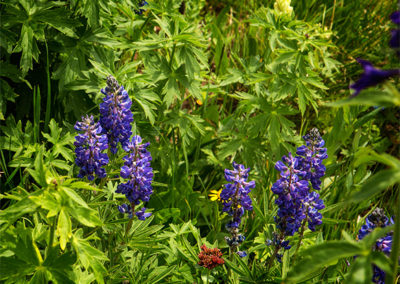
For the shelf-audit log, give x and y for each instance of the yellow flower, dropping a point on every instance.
(215, 195)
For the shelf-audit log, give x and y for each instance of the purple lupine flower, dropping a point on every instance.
(291, 191)
(89, 146)
(371, 76)
(142, 215)
(378, 219)
(241, 253)
(138, 172)
(125, 209)
(115, 114)
(297, 204)
(235, 195)
(312, 154)
(235, 199)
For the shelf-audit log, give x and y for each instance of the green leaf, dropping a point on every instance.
(160, 273)
(27, 43)
(89, 256)
(14, 212)
(322, 255)
(375, 184)
(39, 173)
(12, 267)
(369, 98)
(64, 228)
(84, 215)
(361, 271)
(39, 277)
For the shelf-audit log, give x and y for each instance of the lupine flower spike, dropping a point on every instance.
(89, 146)
(235, 199)
(378, 219)
(297, 204)
(210, 258)
(140, 176)
(115, 114)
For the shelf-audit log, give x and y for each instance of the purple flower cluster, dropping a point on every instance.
(235, 198)
(235, 195)
(373, 76)
(378, 219)
(115, 114)
(139, 174)
(89, 146)
(297, 203)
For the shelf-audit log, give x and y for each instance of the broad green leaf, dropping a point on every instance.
(89, 256)
(64, 228)
(375, 184)
(320, 256)
(369, 98)
(360, 271)
(15, 211)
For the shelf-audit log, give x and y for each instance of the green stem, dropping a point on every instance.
(131, 220)
(303, 226)
(271, 260)
(51, 235)
(172, 56)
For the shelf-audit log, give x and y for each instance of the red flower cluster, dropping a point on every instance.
(210, 258)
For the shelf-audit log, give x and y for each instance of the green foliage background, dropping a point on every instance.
(211, 82)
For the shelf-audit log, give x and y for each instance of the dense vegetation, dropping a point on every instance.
(199, 141)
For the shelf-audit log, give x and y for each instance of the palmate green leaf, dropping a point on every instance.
(24, 206)
(171, 90)
(12, 268)
(58, 19)
(39, 173)
(377, 183)
(60, 267)
(321, 255)
(29, 48)
(49, 200)
(89, 256)
(39, 277)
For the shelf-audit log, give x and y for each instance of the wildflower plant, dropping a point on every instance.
(235, 199)
(139, 174)
(298, 204)
(89, 149)
(210, 258)
(115, 114)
